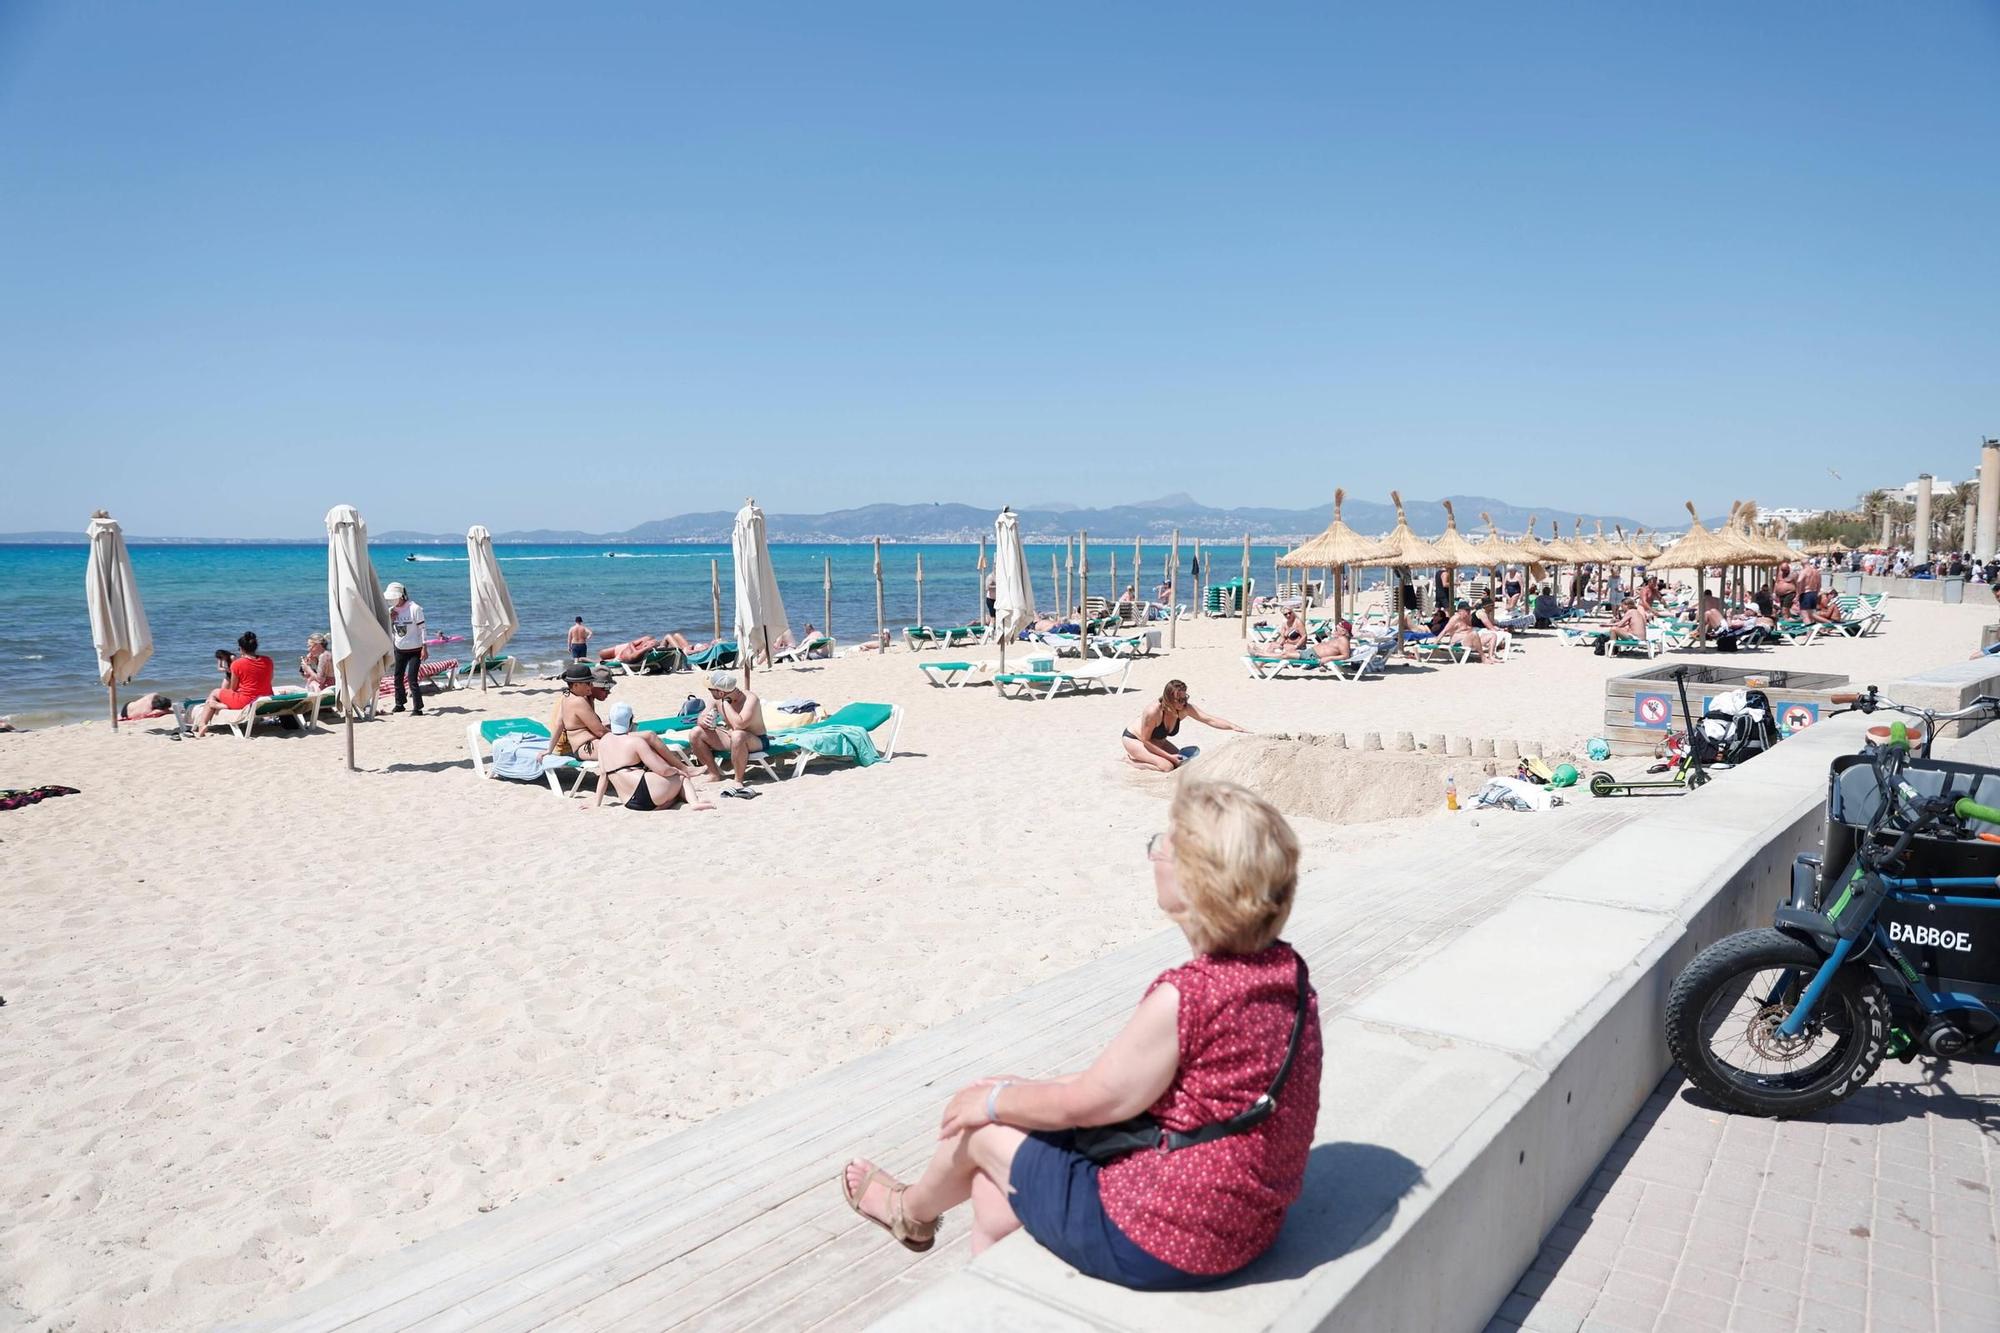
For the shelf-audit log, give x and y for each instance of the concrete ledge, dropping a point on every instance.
(1948, 687)
(1467, 1100)
(1919, 590)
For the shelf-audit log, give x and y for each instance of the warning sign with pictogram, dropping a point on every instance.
(1652, 710)
(1796, 717)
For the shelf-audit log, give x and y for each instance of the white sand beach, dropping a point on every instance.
(264, 1016)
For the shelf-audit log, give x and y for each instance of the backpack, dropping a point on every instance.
(692, 707)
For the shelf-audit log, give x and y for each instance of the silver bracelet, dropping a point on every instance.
(993, 1100)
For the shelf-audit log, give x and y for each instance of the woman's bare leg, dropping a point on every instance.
(1145, 757)
(947, 1181)
(992, 1214)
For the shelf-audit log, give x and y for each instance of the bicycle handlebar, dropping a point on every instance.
(1967, 808)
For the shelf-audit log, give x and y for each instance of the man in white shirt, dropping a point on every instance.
(406, 631)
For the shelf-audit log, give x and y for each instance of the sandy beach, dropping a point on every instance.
(264, 1016)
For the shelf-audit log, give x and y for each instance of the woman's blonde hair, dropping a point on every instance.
(1238, 865)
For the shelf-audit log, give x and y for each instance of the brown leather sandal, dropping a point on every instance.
(913, 1234)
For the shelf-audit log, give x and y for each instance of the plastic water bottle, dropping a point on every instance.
(1450, 792)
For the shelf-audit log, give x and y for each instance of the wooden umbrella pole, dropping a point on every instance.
(880, 626)
(1117, 595)
(1173, 592)
(112, 689)
(827, 614)
(1055, 579)
(350, 740)
(1083, 582)
(715, 593)
(920, 588)
(1243, 592)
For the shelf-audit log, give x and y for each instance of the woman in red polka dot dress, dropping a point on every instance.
(1208, 1040)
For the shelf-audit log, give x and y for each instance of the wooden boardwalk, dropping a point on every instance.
(736, 1223)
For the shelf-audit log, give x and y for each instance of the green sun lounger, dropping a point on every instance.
(479, 738)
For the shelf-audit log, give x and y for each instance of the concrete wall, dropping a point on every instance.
(1467, 1101)
(1916, 590)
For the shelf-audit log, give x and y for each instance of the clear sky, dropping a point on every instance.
(585, 265)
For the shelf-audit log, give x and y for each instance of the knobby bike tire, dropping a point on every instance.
(1853, 999)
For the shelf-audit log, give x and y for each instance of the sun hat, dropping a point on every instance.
(601, 678)
(395, 592)
(722, 680)
(575, 672)
(620, 718)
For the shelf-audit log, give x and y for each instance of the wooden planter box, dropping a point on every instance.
(1641, 707)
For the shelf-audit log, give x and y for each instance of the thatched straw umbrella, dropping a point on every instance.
(1402, 551)
(1456, 551)
(1335, 550)
(1496, 552)
(1699, 550)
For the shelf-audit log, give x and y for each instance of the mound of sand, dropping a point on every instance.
(1308, 778)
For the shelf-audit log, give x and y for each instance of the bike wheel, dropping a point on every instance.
(1722, 1026)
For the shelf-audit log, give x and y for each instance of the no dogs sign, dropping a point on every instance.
(1652, 710)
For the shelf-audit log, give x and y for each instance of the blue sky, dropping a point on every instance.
(641, 259)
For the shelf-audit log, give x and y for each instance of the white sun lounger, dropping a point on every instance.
(1108, 676)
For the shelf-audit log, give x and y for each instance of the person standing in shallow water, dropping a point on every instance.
(1237, 1023)
(579, 640)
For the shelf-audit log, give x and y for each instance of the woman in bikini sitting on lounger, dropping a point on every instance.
(1161, 722)
(641, 768)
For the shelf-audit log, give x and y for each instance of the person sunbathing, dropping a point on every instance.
(642, 769)
(734, 723)
(1828, 612)
(316, 667)
(1161, 722)
(150, 705)
(1628, 624)
(1461, 629)
(250, 676)
(629, 651)
(1292, 634)
(1234, 1027)
(1337, 646)
(576, 728)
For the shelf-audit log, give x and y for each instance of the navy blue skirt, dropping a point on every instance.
(1056, 1198)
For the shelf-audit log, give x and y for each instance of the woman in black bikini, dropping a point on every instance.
(1161, 722)
(644, 773)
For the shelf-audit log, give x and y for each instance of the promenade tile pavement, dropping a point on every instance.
(1879, 1214)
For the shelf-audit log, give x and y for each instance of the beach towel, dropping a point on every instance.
(520, 757)
(839, 741)
(12, 799)
(1514, 794)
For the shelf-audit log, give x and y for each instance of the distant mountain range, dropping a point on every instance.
(1151, 519)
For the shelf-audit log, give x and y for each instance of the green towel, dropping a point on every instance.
(833, 740)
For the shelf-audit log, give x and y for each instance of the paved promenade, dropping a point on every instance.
(1881, 1214)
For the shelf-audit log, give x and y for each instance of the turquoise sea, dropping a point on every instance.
(199, 598)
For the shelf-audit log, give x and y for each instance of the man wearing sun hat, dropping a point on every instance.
(406, 631)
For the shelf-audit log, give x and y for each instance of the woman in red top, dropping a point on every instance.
(249, 680)
(1205, 1043)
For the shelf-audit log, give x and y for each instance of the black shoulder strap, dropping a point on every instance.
(1260, 1110)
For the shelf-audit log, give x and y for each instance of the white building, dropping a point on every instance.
(1938, 487)
(1788, 515)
